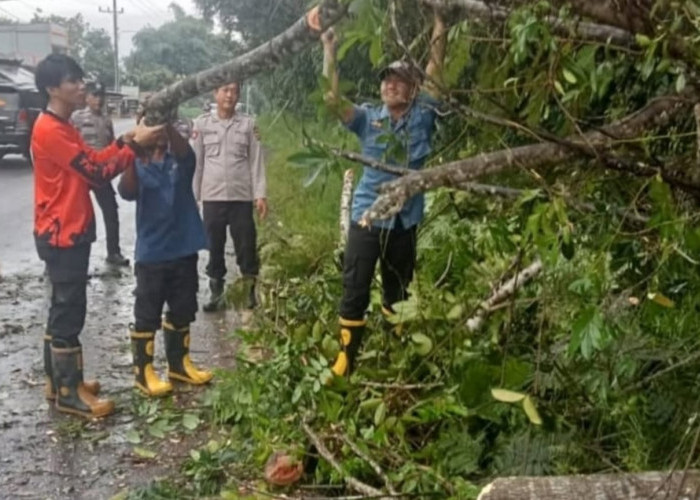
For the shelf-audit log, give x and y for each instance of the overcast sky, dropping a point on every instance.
(137, 14)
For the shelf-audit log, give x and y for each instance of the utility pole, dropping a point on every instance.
(115, 14)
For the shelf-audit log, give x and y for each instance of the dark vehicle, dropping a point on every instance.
(20, 104)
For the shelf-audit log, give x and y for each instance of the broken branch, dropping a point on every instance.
(394, 194)
(354, 483)
(504, 291)
(375, 466)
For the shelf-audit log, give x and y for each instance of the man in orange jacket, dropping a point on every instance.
(65, 169)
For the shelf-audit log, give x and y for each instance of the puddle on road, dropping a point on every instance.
(50, 456)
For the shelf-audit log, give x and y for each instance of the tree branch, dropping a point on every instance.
(394, 194)
(345, 206)
(502, 293)
(354, 483)
(603, 33)
(372, 463)
(263, 57)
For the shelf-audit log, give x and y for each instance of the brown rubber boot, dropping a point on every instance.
(72, 396)
(92, 386)
(177, 350)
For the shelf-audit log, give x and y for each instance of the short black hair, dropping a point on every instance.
(53, 70)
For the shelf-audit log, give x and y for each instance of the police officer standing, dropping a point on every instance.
(97, 131)
(230, 182)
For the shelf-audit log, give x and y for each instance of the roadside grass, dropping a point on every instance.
(302, 227)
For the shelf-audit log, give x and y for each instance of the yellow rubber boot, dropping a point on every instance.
(146, 378)
(177, 350)
(351, 333)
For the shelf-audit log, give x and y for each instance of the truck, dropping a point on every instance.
(20, 105)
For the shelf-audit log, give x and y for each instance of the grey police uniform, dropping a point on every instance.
(98, 132)
(229, 176)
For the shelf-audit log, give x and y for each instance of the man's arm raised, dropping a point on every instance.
(434, 70)
(335, 102)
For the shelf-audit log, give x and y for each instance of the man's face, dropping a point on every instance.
(396, 91)
(226, 97)
(95, 102)
(71, 92)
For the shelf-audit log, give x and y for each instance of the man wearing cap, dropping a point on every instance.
(398, 132)
(98, 132)
(230, 182)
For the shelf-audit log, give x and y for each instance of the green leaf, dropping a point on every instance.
(680, 82)
(456, 312)
(506, 396)
(531, 411)
(423, 343)
(133, 436)
(642, 40)
(144, 453)
(379, 414)
(190, 421)
(375, 50)
(569, 76)
(559, 87)
(586, 332)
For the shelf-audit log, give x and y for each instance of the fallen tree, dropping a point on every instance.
(657, 113)
(158, 108)
(641, 486)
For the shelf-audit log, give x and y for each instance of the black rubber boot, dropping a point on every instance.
(146, 378)
(351, 334)
(92, 386)
(177, 350)
(72, 396)
(252, 301)
(217, 301)
(117, 259)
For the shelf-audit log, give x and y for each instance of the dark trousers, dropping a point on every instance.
(238, 217)
(107, 200)
(67, 270)
(173, 282)
(396, 251)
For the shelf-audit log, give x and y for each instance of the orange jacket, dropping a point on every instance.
(64, 171)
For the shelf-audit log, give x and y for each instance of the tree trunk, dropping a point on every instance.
(159, 107)
(641, 486)
(394, 194)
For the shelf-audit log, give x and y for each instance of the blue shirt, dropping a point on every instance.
(168, 225)
(404, 143)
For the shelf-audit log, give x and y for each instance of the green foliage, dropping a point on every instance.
(591, 366)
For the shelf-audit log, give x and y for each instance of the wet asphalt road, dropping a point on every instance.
(44, 455)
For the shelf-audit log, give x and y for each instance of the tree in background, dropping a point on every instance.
(92, 48)
(178, 48)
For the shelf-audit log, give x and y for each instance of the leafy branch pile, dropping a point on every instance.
(591, 366)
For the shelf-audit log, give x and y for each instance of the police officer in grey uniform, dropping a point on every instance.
(98, 132)
(230, 182)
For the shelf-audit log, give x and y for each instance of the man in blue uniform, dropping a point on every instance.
(169, 233)
(398, 132)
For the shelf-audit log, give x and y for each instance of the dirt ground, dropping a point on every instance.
(45, 455)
